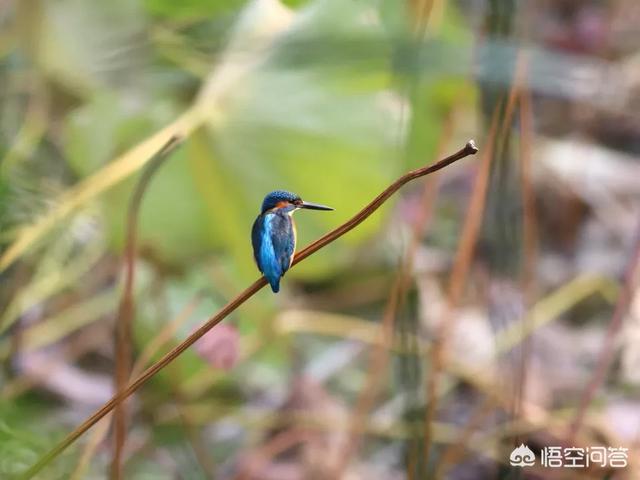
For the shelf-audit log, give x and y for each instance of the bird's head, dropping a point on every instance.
(289, 201)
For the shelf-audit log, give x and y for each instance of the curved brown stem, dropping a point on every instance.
(469, 149)
(124, 319)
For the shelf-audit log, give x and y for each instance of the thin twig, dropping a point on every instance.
(469, 149)
(606, 354)
(123, 347)
(529, 241)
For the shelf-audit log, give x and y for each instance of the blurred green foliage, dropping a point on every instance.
(318, 105)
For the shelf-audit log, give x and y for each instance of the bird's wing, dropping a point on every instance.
(256, 239)
(283, 239)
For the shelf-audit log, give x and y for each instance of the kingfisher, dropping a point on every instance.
(274, 234)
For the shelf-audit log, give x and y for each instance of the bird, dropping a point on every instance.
(273, 235)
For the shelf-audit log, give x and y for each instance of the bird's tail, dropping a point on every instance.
(275, 284)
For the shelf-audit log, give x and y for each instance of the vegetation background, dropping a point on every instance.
(493, 304)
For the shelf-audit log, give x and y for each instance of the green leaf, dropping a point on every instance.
(191, 8)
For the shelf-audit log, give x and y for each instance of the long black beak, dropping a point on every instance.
(314, 206)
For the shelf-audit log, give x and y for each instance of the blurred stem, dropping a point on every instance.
(488, 202)
(90, 448)
(51, 277)
(124, 320)
(617, 322)
(529, 233)
(102, 180)
(33, 127)
(461, 266)
(469, 149)
(379, 358)
(499, 232)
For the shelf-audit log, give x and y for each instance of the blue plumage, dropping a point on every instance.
(274, 242)
(273, 235)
